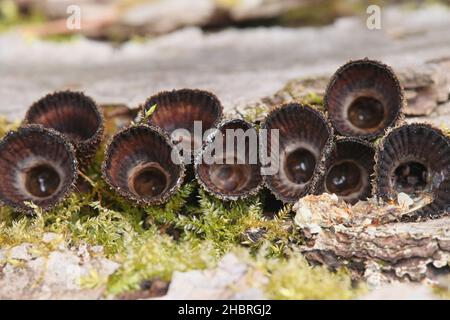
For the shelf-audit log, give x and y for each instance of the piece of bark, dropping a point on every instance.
(426, 86)
(366, 239)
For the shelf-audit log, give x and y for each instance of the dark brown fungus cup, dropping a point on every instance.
(305, 140)
(37, 165)
(415, 159)
(142, 166)
(233, 170)
(363, 99)
(73, 114)
(179, 109)
(349, 170)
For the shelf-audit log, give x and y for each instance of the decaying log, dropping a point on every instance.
(367, 239)
(426, 87)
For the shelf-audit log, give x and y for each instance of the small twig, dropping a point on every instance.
(91, 182)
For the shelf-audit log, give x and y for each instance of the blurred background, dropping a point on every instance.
(122, 51)
(123, 20)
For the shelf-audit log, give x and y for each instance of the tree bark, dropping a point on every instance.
(368, 240)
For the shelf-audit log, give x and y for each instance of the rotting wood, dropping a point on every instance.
(367, 239)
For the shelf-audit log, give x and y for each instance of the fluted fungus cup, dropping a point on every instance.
(73, 114)
(415, 159)
(37, 165)
(177, 112)
(364, 98)
(141, 166)
(349, 170)
(234, 171)
(305, 140)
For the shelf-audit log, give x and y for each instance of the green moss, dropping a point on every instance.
(6, 125)
(229, 4)
(11, 17)
(256, 112)
(143, 253)
(292, 277)
(312, 98)
(9, 13)
(321, 12)
(69, 37)
(158, 256)
(224, 224)
(441, 293)
(442, 288)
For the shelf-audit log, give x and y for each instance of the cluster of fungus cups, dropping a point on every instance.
(145, 162)
(376, 153)
(140, 165)
(358, 148)
(40, 161)
(333, 151)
